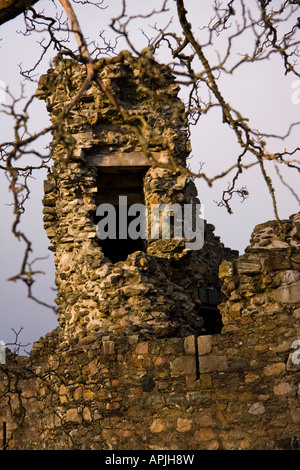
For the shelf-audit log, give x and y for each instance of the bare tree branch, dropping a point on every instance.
(10, 9)
(272, 29)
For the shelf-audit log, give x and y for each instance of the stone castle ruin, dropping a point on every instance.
(124, 285)
(158, 346)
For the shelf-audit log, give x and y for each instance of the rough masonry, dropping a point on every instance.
(151, 285)
(157, 347)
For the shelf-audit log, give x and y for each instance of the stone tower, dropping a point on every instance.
(150, 286)
(141, 360)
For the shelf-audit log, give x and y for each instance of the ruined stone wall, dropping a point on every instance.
(134, 364)
(154, 290)
(235, 390)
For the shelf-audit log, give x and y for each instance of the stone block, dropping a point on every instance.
(295, 259)
(91, 368)
(204, 420)
(157, 426)
(134, 290)
(212, 363)
(88, 394)
(86, 414)
(189, 345)
(293, 362)
(113, 405)
(274, 369)
(296, 416)
(296, 314)
(247, 264)
(276, 261)
(142, 348)
(204, 344)
(226, 269)
(283, 388)
(257, 409)
(183, 425)
(205, 434)
(235, 310)
(124, 432)
(198, 397)
(290, 277)
(73, 416)
(77, 395)
(63, 394)
(183, 365)
(288, 294)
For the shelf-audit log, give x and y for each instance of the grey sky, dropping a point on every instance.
(260, 91)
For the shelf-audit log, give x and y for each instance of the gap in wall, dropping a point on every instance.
(113, 182)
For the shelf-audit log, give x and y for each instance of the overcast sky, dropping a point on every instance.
(260, 91)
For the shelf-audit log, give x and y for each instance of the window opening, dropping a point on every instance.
(112, 183)
(209, 311)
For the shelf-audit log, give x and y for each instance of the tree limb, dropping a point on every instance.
(10, 9)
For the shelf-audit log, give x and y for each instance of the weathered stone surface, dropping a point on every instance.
(226, 269)
(184, 425)
(204, 344)
(276, 261)
(283, 388)
(274, 369)
(290, 277)
(73, 415)
(212, 363)
(204, 434)
(247, 264)
(288, 294)
(257, 409)
(146, 290)
(296, 416)
(142, 348)
(108, 347)
(121, 370)
(183, 366)
(157, 426)
(189, 345)
(133, 290)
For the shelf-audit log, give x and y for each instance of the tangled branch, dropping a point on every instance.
(196, 67)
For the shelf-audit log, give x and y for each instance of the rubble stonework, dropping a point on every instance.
(238, 389)
(133, 364)
(266, 276)
(154, 290)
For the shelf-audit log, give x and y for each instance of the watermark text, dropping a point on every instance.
(161, 221)
(296, 93)
(2, 352)
(2, 92)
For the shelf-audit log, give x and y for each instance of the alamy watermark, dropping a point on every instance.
(2, 352)
(161, 221)
(296, 93)
(296, 355)
(2, 92)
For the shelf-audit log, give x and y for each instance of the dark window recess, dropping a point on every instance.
(209, 311)
(208, 295)
(212, 320)
(112, 183)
